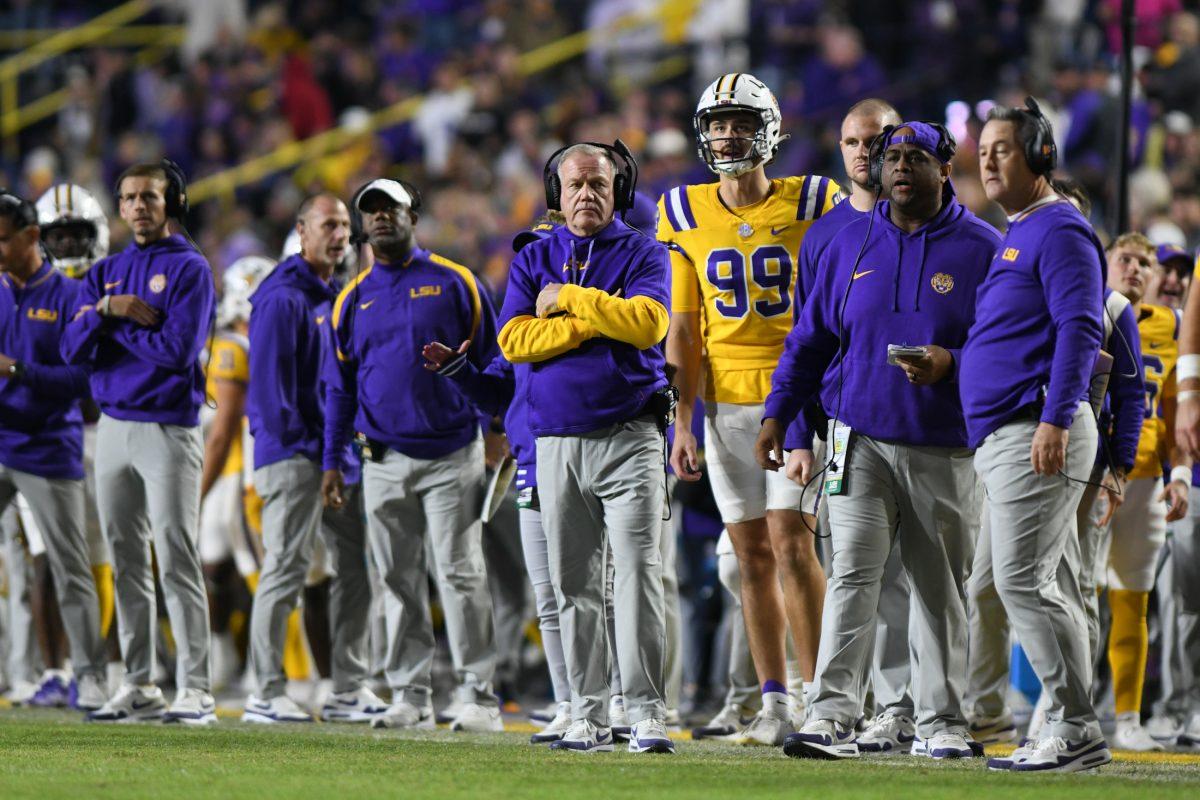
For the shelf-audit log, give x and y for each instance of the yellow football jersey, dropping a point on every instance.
(230, 361)
(1158, 327)
(738, 268)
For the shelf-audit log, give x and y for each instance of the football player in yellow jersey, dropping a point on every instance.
(1139, 524)
(734, 247)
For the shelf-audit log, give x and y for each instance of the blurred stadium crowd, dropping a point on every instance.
(253, 77)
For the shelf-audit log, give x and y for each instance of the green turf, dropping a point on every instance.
(45, 754)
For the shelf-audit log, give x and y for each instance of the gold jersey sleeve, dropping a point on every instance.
(230, 361)
(737, 267)
(1158, 327)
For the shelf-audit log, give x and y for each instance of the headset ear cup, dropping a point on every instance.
(620, 192)
(553, 193)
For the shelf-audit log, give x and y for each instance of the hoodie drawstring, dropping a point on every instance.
(899, 266)
(575, 268)
(920, 273)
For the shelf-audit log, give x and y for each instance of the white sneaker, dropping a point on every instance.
(994, 730)
(131, 704)
(617, 720)
(673, 720)
(558, 726)
(21, 692)
(728, 721)
(1130, 735)
(1037, 719)
(888, 734)
(192, 707)
(544, 715)
(360, 705)
(91, 693)
(1163, 728)
(1000, 763)
(1055, 754)
(449, 713)
(1190, 738)
(796, 705)
(402, 714)
(947, 745)
(478, 718)
(276, 710)
(765, 731)
(650, 736)
(585, 737)
(821, 738)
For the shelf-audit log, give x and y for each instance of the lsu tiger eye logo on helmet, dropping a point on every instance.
(942, 283)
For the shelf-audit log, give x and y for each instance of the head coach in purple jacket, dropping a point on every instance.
(905, 274)
(141, 323)
(1025, 380)
(587, 308)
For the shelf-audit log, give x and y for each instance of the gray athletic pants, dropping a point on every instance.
(537, 562)
(409, 500)
(22, 659)
(292, 514)
(1178, 591)
(502, 554)
(891, 674)
(928, 498)
(601, 489)
(1031, 530)
(148, 492)
(58, 509)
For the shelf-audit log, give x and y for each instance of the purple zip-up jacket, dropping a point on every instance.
(1037, 325)
(1125, 403)
(497, 389)
(377, 383)
(41, 427)
(144, 374)
(913, 289)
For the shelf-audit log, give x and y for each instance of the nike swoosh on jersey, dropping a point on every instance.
(858, 275)
(112, 285)
(777, 231)
(366, 305)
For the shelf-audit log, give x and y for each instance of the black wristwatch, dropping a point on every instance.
(16, 371)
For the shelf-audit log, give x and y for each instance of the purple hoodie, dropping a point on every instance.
(144, 374)
(912, 289)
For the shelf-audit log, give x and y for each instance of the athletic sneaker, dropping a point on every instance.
(994, 730)
(650, 736)
(888, 734)
(560, 723)
(728, 721)
(585, 737)
(276, 710)
(402, 714)
(1130, 735)
(1037, 718)
(53, 691)
(544, 715)
(673, 720)
(1190, 738)
(131, 703)
(764, 730)
(477, 718)
(449, 713)
(1055, 754)
(947, 745)
(192, 707)
(1163, 728)
(1000, 763)
(89, 693)
(617, 719)
(795, 704)
(20, 692)
(360, 705)
(821, 738)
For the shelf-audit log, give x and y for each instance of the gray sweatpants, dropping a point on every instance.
(505, 561)
(407, 501)
(601, 489)
(1178, 590)
(292, 514)
(1031, 520)
(148, 492)
(891, 674)
(58, 509)
(537, 562)
(22, 659)
(928, 498)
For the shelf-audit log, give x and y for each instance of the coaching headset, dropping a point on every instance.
(1041, 153)
(175, 196)
(26, 212)
(946, 147)
(624, 182)
(358, 234)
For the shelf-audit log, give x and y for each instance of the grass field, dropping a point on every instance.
(51, 754)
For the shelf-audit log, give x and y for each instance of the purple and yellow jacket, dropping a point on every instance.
(41, 427)
(377, 384)
(908, 288)
(1037, 325)
(598, 363)
(144, 374)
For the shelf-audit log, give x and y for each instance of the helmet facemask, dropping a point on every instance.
(71, 245)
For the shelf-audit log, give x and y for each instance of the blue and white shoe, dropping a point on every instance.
(888, 734)
(559, 724)
(403, 714)
(131, 703)
(765, 730)
(89, 693)
(821, 738)
(1055, 754)
(192, 707)
(544, 715)
(274, 711)
(1190, 738)
(993, 730)
(617, 720)
(650, 736)
(585, 737)
(54, 690)
(360, 705)
(1002, 763)
(731, 719)
(947, 745)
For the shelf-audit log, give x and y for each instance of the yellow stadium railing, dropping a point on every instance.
(128, 36)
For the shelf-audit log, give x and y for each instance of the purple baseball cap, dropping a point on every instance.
(924, 136)
(1167, 252)
(542, 230)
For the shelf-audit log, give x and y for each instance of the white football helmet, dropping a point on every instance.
(239, 281)
(739, 91)
(74, 228)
